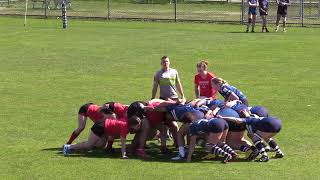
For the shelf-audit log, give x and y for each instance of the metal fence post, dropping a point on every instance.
(108, 9)
(45, 9)
(242, 11)
(302, 12)
(175, 10)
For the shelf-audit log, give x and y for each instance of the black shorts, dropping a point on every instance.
(233, 127)
(262, 13)
(98, 128)
(282, 10)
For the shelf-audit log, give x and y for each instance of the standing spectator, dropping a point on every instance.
(263, 10)
(282, 12)
(168, 80)
(202, 82)
(252, 14)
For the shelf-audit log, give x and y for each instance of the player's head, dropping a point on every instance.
(260, 111)
(217, 82)
(202, 66)
(165, 62)
(134, 124)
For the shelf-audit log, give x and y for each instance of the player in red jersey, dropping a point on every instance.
(202, 82)
(97, 138)
(120, 111)
(92, 111)
(145, 123)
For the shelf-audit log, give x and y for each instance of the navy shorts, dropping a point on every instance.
(269, 124)
(252, 10)
(217, 125)
(259, 111)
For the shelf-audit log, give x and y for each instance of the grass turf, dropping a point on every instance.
(47, 73)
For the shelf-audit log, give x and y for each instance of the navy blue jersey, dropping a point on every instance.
(214, 103)
(198, 127)
(228, 112)
(178, 111)
(252, 1)
(226, 90)
(264, 4)
(283, 3)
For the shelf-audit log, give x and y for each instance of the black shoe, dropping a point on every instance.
(252, 31)
(247, 30)
(267, 30)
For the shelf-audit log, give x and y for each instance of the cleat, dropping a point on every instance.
(227, 158)
(279, 155)
(247, 30)
(264, 158)
(284, 30)
(178, 158)
(253, 155)
(66, 149)
(267, 30)
(252, 31)
(209, 156)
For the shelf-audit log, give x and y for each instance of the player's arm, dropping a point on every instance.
(179, 87)
(232, 119)
(123, 147)
(192, 145)
(196, 90)
(232, 96)
(200, 102)
(155, 86)
(82, 119)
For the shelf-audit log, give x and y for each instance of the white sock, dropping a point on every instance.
(181, 151)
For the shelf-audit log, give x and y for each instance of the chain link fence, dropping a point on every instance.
(300, 12)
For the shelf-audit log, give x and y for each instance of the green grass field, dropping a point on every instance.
(46, 73)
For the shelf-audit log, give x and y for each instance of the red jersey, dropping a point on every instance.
(116, 127)
(205, 85)
(93, 113)
(154, 117)
(120, 110)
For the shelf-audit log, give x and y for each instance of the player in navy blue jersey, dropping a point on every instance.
(263, 11)
(236, 134)
(260, 130)
(229, 92)
(216, 130)
(282, 12)
(252, 14)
